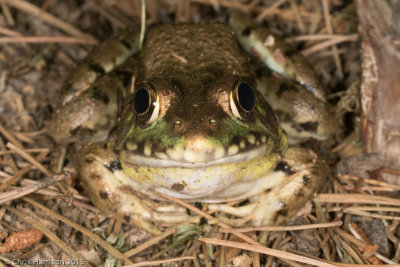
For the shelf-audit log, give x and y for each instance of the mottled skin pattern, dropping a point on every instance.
(196, 138)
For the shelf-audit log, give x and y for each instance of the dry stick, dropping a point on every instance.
(47, 39)
(50, 234)
(8, 159)
(7, 14)
(325, 7)
(297, 15)
(281, 228)
(267, 251)
(371, 181)
(29, 158)
(370, 215)
(208, 217)
(83, 230)
(47, 17)
(269, 10)
(23, 191)
(356, 198)
(150, 242)
(10, 137)
(314, 37)
(29, 150)
(328, 43)
(18, 174)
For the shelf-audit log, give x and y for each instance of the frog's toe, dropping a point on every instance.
(258, 212)
(171, 218)
(235, 211)
(153, 222)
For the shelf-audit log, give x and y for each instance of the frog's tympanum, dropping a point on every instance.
(194, 116)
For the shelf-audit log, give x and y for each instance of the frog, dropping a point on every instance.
(207, 113)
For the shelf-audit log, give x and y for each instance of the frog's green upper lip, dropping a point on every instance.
(154, 162)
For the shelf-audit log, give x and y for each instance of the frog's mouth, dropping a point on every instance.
(162, 160)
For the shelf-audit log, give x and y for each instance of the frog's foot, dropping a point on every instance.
(302, 174)
(118, 196)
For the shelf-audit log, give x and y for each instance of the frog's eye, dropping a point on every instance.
(242, 100)
(145, 103)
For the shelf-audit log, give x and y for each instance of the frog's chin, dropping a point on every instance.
(164, 161)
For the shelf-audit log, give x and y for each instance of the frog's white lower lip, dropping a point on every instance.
(153, 162)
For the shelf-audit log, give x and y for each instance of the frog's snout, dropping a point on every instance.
(195, 149)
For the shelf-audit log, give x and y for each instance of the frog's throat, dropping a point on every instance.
(128, 158)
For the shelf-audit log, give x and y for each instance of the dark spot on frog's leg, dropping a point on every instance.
(128, 189)
(127, 217)
(282, 212)
(81, 132)
(299, 193)
(244, 202)
(246, 31)
(309, 126)
(267, 190)
(96, 68)
(283, 166)
(285, 87)
(126, 44)
(263, 72)
(104, 194)
(113, 130)
(95, 176)
(290, 52)
(203, 221)
(74, 131)
(305, 180)
(113, 166)
(124, 76)
(89, 160)
(98, 95)
(177, 187)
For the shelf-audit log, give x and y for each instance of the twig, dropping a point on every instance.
(20, 192)
(13, 179)
(325, 7)
(269, 10)
(29, 158)
(47, 17)
(149, 243)
(322, 45)
(281, 228)
(357, 198)
(48, 39)
(266, 251)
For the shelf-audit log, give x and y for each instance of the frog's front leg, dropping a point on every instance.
(302, 174)
(293, 91)
(87, 107)
(275, 53)
(110, 189)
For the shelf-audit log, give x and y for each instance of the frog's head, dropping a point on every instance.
(195, 102)
(220, 121)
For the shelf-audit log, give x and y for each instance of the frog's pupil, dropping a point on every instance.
(141, 101)
(246, 97)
